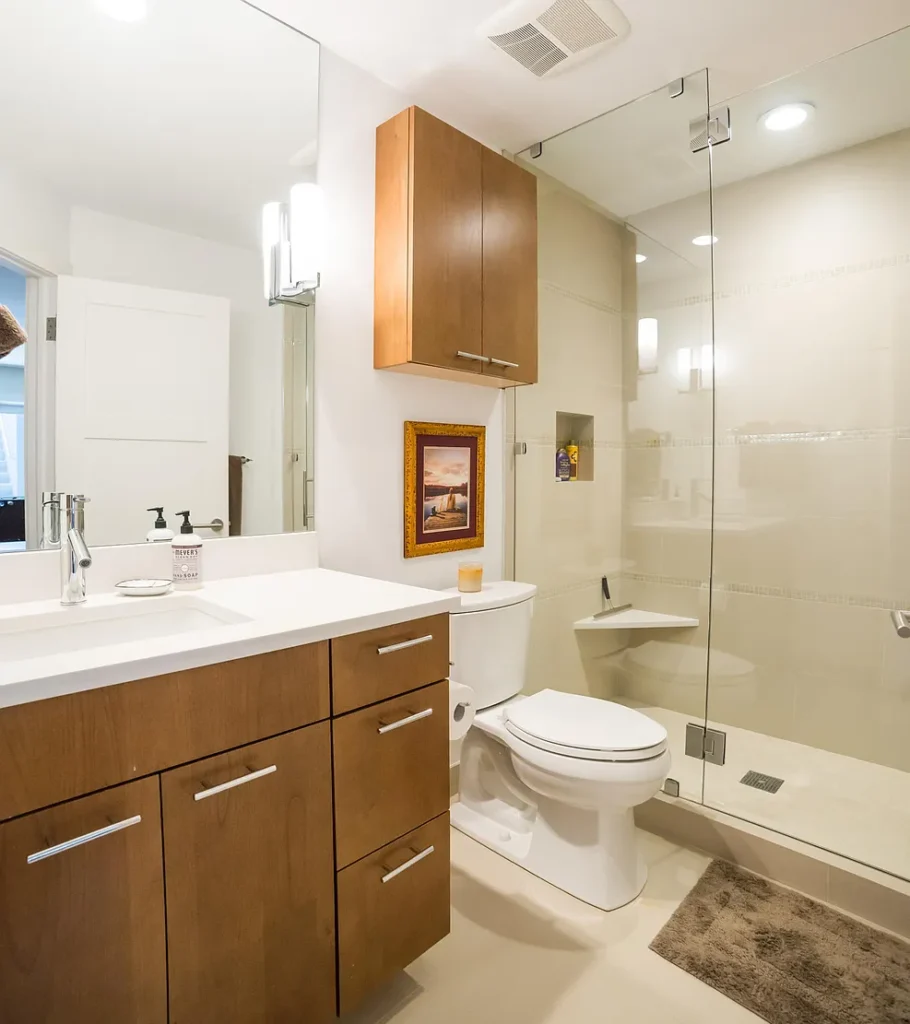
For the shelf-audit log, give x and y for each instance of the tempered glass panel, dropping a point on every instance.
(807, 673)
(625, 358)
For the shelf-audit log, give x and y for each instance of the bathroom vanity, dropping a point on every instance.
(257, 838)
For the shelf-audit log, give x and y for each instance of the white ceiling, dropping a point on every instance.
(431, 50)
(635, 162)
(637, 157)
(181, 120)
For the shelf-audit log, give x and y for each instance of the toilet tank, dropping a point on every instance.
(489, 640)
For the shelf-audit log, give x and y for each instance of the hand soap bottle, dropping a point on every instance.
(186, 551)
(159, 531)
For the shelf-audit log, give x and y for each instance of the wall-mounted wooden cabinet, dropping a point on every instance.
(456, 256)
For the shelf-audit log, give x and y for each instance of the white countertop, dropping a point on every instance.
(282, 610)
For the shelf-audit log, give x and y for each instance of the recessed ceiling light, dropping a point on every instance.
(124, 10)
(640, 257)
(704, 240)
(790, 115)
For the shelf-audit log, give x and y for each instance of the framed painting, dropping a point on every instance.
(443, 487)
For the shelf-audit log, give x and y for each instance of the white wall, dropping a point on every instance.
(360, 412)
(34, 224)
(115, 249)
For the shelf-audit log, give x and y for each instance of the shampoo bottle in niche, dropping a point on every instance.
(563, 464)
(186, 551)
(159, 532)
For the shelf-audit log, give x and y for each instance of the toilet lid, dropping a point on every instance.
(586, 727)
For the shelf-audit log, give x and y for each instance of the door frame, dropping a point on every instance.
(40, 389)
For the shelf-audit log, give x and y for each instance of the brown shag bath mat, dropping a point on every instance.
(785, 957)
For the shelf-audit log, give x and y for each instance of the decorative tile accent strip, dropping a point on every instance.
(548, 442)
(794, 280)
(665, 581)
(734, 439)
(786, 593)
(604, 307)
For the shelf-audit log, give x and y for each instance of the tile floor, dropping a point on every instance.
(523, 952)
(851, 807)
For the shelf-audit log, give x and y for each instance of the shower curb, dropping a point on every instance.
(874, 896)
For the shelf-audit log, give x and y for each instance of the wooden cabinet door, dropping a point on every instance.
(250, 884)
(392, 906)
(509, 270)
(82, 912)
(391, 770)
(446, 258)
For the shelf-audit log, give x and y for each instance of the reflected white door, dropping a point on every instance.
(141, 405)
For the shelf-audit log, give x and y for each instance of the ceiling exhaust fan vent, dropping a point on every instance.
(562, 35)
(576, 25)
(531, 48)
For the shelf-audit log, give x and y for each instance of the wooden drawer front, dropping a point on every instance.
(250, 884)
(52, 750)
(384, 926)
(389, 782)
(372, 666)
(82, 930)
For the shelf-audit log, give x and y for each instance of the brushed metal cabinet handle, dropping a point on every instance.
(242, 781)
(505, 363)
(89, 837)
(392, 648)
(408, 864)
(474, 356)
(392, 726)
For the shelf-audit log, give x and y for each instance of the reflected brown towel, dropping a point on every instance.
(235, 495)
(11, 334)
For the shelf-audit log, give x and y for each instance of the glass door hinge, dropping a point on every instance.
(706, 744)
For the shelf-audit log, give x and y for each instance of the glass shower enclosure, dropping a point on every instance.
(725, 335)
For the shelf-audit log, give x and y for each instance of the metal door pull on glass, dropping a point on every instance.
(901, 622)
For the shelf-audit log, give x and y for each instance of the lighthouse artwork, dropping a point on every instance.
(443, 487)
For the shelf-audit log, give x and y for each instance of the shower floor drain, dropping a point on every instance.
(767, 783)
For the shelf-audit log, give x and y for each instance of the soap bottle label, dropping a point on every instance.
(186, 564)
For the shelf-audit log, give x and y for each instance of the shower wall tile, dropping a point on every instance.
(812, 456)
(560, 658)
(577, 244)
(567, 535)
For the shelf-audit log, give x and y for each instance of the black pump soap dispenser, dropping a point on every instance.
(186, 549)
(159, 531)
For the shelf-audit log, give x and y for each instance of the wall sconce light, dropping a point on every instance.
(647, 345)
(292, 236)
(695, 368)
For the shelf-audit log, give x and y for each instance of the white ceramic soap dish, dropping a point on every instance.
(143, 588)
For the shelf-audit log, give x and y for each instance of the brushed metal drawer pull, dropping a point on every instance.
(473, 355)
(409, 864)
(392, 648)
(392, 726)
(89, 837)
(505, 363)
(242, 781)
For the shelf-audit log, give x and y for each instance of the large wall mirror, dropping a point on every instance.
(140, 142)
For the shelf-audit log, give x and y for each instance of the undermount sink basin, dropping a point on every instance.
(84, 626)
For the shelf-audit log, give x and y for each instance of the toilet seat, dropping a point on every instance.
(585, 728)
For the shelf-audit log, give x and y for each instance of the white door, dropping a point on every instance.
(141, 405)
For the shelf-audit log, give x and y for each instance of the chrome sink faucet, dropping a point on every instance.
(75, 556)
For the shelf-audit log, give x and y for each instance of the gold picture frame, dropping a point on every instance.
(444, 466)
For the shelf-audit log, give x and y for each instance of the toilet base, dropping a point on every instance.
(590, 854)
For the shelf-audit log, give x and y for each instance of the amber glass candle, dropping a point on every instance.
(470, 577)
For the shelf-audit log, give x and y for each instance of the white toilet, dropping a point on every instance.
(549, 780)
